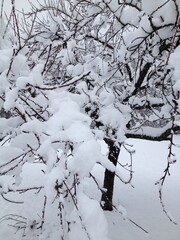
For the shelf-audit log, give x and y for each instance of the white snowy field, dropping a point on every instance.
(141, 202)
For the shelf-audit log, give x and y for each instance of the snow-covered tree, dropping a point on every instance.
(74, 74)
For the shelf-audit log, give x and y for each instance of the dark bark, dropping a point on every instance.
(4, 114)
(107, 196)
(139, 82)
(162, 137)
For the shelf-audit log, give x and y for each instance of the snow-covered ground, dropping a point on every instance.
(141, 202)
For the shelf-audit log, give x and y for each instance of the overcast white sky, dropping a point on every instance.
(20, 4)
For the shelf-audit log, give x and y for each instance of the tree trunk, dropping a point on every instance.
(107, 196)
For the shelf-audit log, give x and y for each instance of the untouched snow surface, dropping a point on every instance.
(141, 202)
